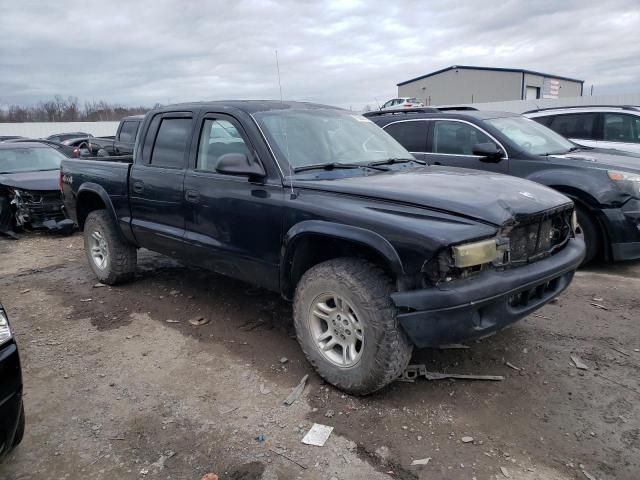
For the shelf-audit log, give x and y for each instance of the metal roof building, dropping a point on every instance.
(467, 84)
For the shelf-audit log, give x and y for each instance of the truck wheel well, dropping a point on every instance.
(313, 249)
(87, 203)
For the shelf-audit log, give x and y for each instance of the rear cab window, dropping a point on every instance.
(128, 131)
(456, 138)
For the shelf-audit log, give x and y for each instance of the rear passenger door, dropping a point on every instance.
(156, 183)
(411, 134)
(451, 142)
(233, 222)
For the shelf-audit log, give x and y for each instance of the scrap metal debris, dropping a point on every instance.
(414, 371)
(579, 363)
(422, 461)
(599, 305)
(511, 365)
(297, 391)
(317, 435)
(304, 467)
(199, 320)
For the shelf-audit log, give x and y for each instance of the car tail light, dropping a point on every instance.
(61, 181)
(406, 105)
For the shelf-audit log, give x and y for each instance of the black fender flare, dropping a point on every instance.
(341, 231)
(94, 188)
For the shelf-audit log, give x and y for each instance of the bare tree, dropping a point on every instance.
(60, 109)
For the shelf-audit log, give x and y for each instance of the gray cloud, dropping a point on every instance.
(341, 52)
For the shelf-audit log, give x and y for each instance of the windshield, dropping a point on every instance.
(319, 137)
(15, 160)
(532, 137)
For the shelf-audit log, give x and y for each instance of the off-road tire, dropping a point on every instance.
(386, 349)
(122, 256)
(590, 234)
(17, 438)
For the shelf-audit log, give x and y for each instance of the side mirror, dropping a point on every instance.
(239, 164)
(489, 152)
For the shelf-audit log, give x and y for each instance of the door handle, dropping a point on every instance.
(192, 196)
(138, 187)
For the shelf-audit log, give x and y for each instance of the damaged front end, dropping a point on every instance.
(38, 210)
(524, 240)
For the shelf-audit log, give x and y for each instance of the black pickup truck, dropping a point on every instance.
(378, 252)
(121, 144)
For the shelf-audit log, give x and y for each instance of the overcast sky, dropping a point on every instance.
(345, 53)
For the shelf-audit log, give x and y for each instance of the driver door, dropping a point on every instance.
(452, 142)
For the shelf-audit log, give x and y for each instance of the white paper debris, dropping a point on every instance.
(318, 435)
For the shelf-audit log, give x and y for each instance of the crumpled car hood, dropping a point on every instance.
(44, 180)
(488, 197)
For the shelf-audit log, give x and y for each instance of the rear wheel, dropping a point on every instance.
(588, 231)
(347, 327)
(111, 258)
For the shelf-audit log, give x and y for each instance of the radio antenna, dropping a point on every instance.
(284, 131)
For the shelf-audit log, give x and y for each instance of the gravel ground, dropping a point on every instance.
(119, 384)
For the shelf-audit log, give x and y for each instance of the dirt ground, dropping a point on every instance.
(119, 385)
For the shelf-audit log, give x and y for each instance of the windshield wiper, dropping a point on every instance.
(334, 165)
(391, 161)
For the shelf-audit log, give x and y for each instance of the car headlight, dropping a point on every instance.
(628, 182)
(476, 253)
(574, 221)
(5, 331)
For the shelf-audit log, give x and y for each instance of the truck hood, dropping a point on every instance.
(604, 158)
(490, 198)
(44, 180)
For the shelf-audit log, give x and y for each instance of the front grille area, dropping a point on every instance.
(536, 236)
(36, 207)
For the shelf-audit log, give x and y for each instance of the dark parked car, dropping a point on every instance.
(604, 184)
(12, 421)
(63, 137)
(377, 251)
(30, 188)
(69, 151)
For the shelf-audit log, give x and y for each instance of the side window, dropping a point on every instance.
(218, 137)
(387, 104)
(456, 138)
(546, 121)
(128, 131)
(411, 135)
(576, 125)
(172, 140)
(620, 127)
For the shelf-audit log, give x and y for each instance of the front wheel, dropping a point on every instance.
(588, 231)
(112, 259)
(347, 327)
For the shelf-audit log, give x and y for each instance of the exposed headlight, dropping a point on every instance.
(574, 221)
(477, 253)
(5, 331)
(629, 182)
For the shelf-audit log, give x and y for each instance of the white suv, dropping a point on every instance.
(404, 102)
(594, 126)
